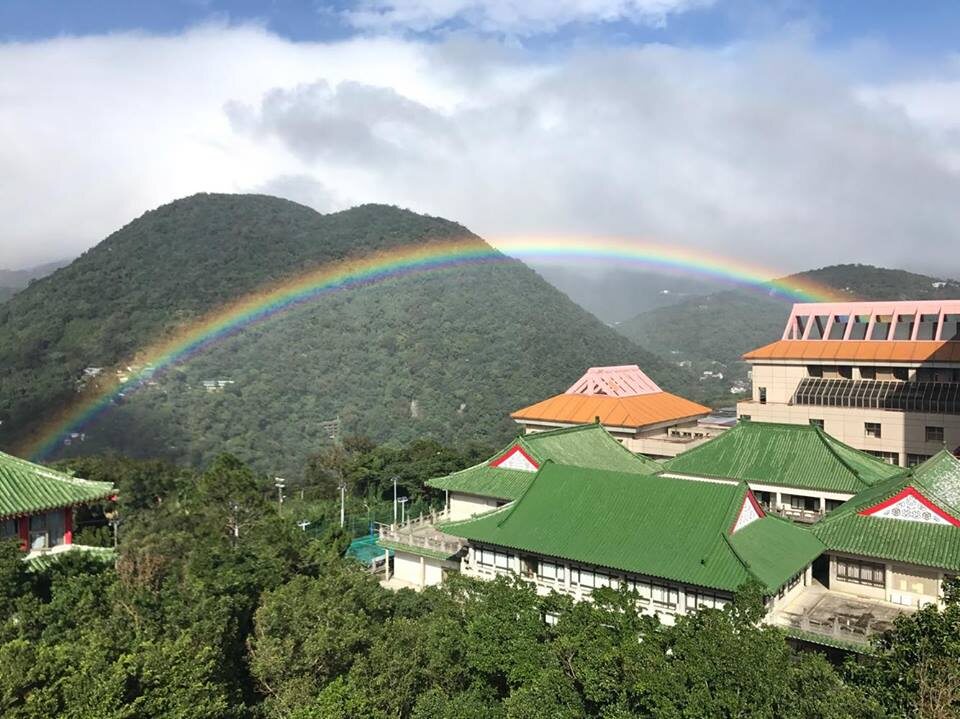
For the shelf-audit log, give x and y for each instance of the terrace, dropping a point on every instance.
(837, 617)
(420, 536)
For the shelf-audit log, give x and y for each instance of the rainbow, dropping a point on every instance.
(187, 341)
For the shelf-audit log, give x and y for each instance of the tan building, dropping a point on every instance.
(883, 377)
(631, 407)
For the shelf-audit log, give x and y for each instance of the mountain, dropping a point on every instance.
(447, 353)
(710, 333)
(12, 281)
(619, 294)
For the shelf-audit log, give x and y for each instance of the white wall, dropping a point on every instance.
(464, 506)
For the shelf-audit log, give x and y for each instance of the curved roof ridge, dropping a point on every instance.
(826, 440)
(513, 505)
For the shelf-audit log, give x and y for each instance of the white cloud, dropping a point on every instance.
(512, 17)
(758, 151)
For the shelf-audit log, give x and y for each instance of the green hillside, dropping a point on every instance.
(447, 354)
(710, 333)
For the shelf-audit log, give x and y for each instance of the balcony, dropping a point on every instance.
(421, 536)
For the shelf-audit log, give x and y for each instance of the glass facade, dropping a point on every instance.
(932, 397)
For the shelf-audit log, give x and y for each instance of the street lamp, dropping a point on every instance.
(343, 495)
(403, 507)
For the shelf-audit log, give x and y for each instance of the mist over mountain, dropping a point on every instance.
(446, 354)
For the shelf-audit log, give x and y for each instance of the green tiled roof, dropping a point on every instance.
(932, 545)
(669, 528)
(588, 445)
(788, 455)
(27, 488)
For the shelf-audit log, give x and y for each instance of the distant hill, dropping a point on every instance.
(710, 333)
(447, 354)
(12, 281)
(616, 295)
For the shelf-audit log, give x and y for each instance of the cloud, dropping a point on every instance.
(762, 151)
(511, 17)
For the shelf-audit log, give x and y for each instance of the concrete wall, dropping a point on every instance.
(417, 572)
(464, 506)
(905, 584)
(902, 433)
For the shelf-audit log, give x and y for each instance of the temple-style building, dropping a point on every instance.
(883, 377)
(795, 471)
(631, 407)
(37, 504)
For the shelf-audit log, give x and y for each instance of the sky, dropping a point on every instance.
(793, 133)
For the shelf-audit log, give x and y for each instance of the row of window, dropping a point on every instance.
(494, 559)
(661, 595)
(43, 530)
(933, 397)
(868, 573)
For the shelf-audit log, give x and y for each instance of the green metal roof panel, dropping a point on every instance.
(669, 528)
(27, 488)
(583, 446)
(788, 455)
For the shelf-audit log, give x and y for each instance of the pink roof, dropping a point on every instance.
(907, 320)
(621, 381)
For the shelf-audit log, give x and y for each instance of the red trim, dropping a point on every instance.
(68, 525)
(24, 527)
(756, 506)
(512, 451)
(910, 492)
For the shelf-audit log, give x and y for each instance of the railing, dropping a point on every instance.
(801, 515)
(836, 627)
(420, 532)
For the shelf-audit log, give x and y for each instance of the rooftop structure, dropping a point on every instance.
(697, 534)
(911, 518)
(881, 376)
(37, 503)
(630, 405)
(798, 471)
(508, 474)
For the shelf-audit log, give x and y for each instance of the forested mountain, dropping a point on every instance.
(446, 354)
(712, 331)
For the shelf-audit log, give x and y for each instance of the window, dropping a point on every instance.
(590, 580)
(491, 558)
(814, 370)
(914, 459)
(888, 457)
(832, 504)
(763, 395)
(867, 573)
(868, 373)
(641, 587)
(934, 434)
(816, 423)
(809, 504)
(550, 571)
(871, 429)
(703, 599)
(665, 597)
(8, 529)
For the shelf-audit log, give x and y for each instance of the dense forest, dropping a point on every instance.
(218, 605)
(444, 354)
(711, 332)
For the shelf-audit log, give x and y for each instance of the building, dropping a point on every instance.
(680, 544)
(898, 540)
(883, 377)
(796, 471)
(422, 554)
(631, 407)
(507, 475)
(37, 504)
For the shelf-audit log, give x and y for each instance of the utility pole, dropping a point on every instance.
(343, 496)
(395, 500)
(279, 483)
(403, 507)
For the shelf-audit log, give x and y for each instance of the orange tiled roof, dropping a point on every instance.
(859, 350)
(633, 411)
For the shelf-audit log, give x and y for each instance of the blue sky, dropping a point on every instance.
(923, 29)
(798, 133)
